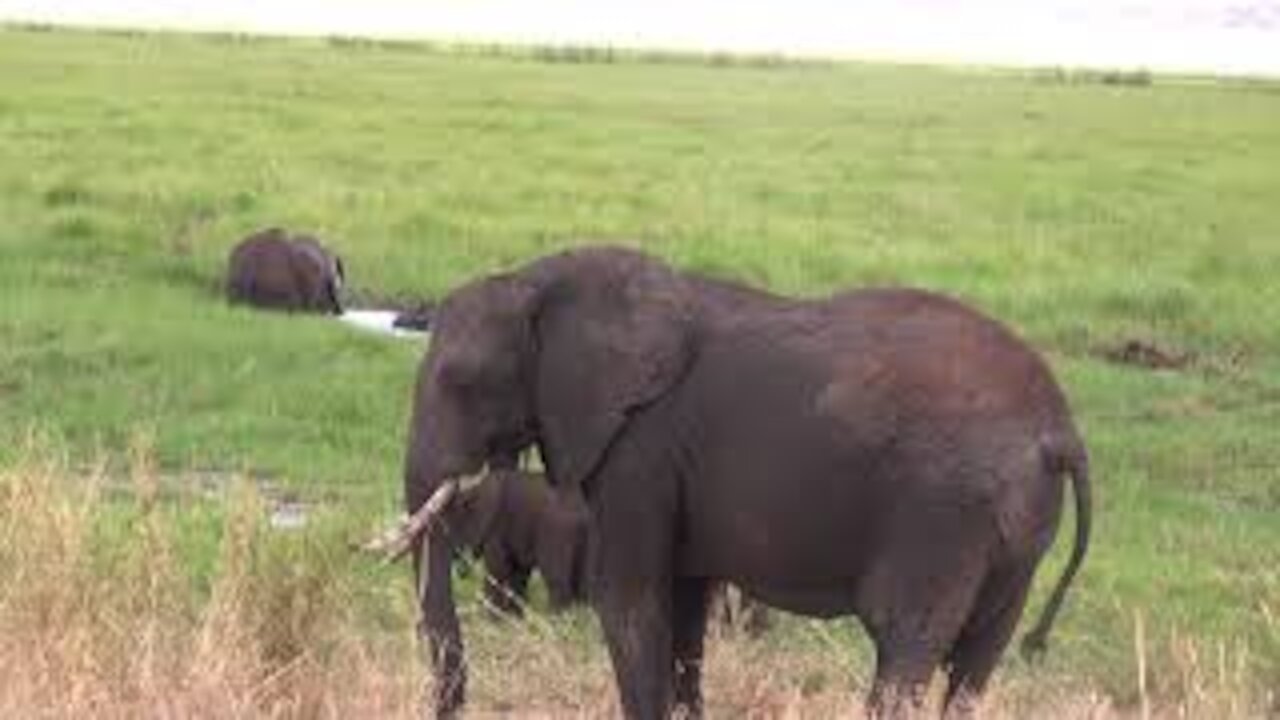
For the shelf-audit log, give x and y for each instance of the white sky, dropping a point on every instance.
(1224, 36)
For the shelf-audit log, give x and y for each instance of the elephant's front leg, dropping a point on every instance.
(631, 561)
(637, 629)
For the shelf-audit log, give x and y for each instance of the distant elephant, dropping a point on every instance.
(516, 522)
(886, 453)
(271, 269)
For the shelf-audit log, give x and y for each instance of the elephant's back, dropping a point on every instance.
(936, 358)
(259, 245)
(972, 413)
(260, 268)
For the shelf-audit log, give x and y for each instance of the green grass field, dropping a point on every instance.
(1087, 214)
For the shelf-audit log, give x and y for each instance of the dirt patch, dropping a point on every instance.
(1145, 354)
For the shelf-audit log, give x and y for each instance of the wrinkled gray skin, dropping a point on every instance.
(889, 453)
(516, 522)
(270, 269)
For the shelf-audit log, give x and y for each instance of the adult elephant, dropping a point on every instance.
(886, 453)
(272, 269)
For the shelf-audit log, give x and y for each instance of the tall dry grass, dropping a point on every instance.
(99, 624)
(100, 617)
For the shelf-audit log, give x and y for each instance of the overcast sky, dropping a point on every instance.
(1233, 36)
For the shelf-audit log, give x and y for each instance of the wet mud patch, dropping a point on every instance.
(415, 316)
(1231, 362)
(1145, 354)
(285, 508)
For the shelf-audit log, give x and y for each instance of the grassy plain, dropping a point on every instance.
(1085, 210)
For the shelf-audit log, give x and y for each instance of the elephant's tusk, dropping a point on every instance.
(395, 541)
(468, 483)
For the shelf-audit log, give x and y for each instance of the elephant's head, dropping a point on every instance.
(558, 353)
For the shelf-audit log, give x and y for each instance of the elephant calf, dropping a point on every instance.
(271, 269)
(516, 522)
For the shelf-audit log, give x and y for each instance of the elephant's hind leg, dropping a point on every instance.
(983, 638)
(903, 670)
(690, 606)
(914, 606)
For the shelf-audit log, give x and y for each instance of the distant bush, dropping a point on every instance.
(1139, 77)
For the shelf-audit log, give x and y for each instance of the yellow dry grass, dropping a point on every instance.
(120, 630)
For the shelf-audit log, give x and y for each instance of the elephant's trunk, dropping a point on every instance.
(439, 625)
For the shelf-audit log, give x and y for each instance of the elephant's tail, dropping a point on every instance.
(1074, 460)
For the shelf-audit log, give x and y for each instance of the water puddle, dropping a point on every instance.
(379, 321)
(285, 511)
(289, 515)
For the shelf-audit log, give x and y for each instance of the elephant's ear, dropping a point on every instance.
(612, 334)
